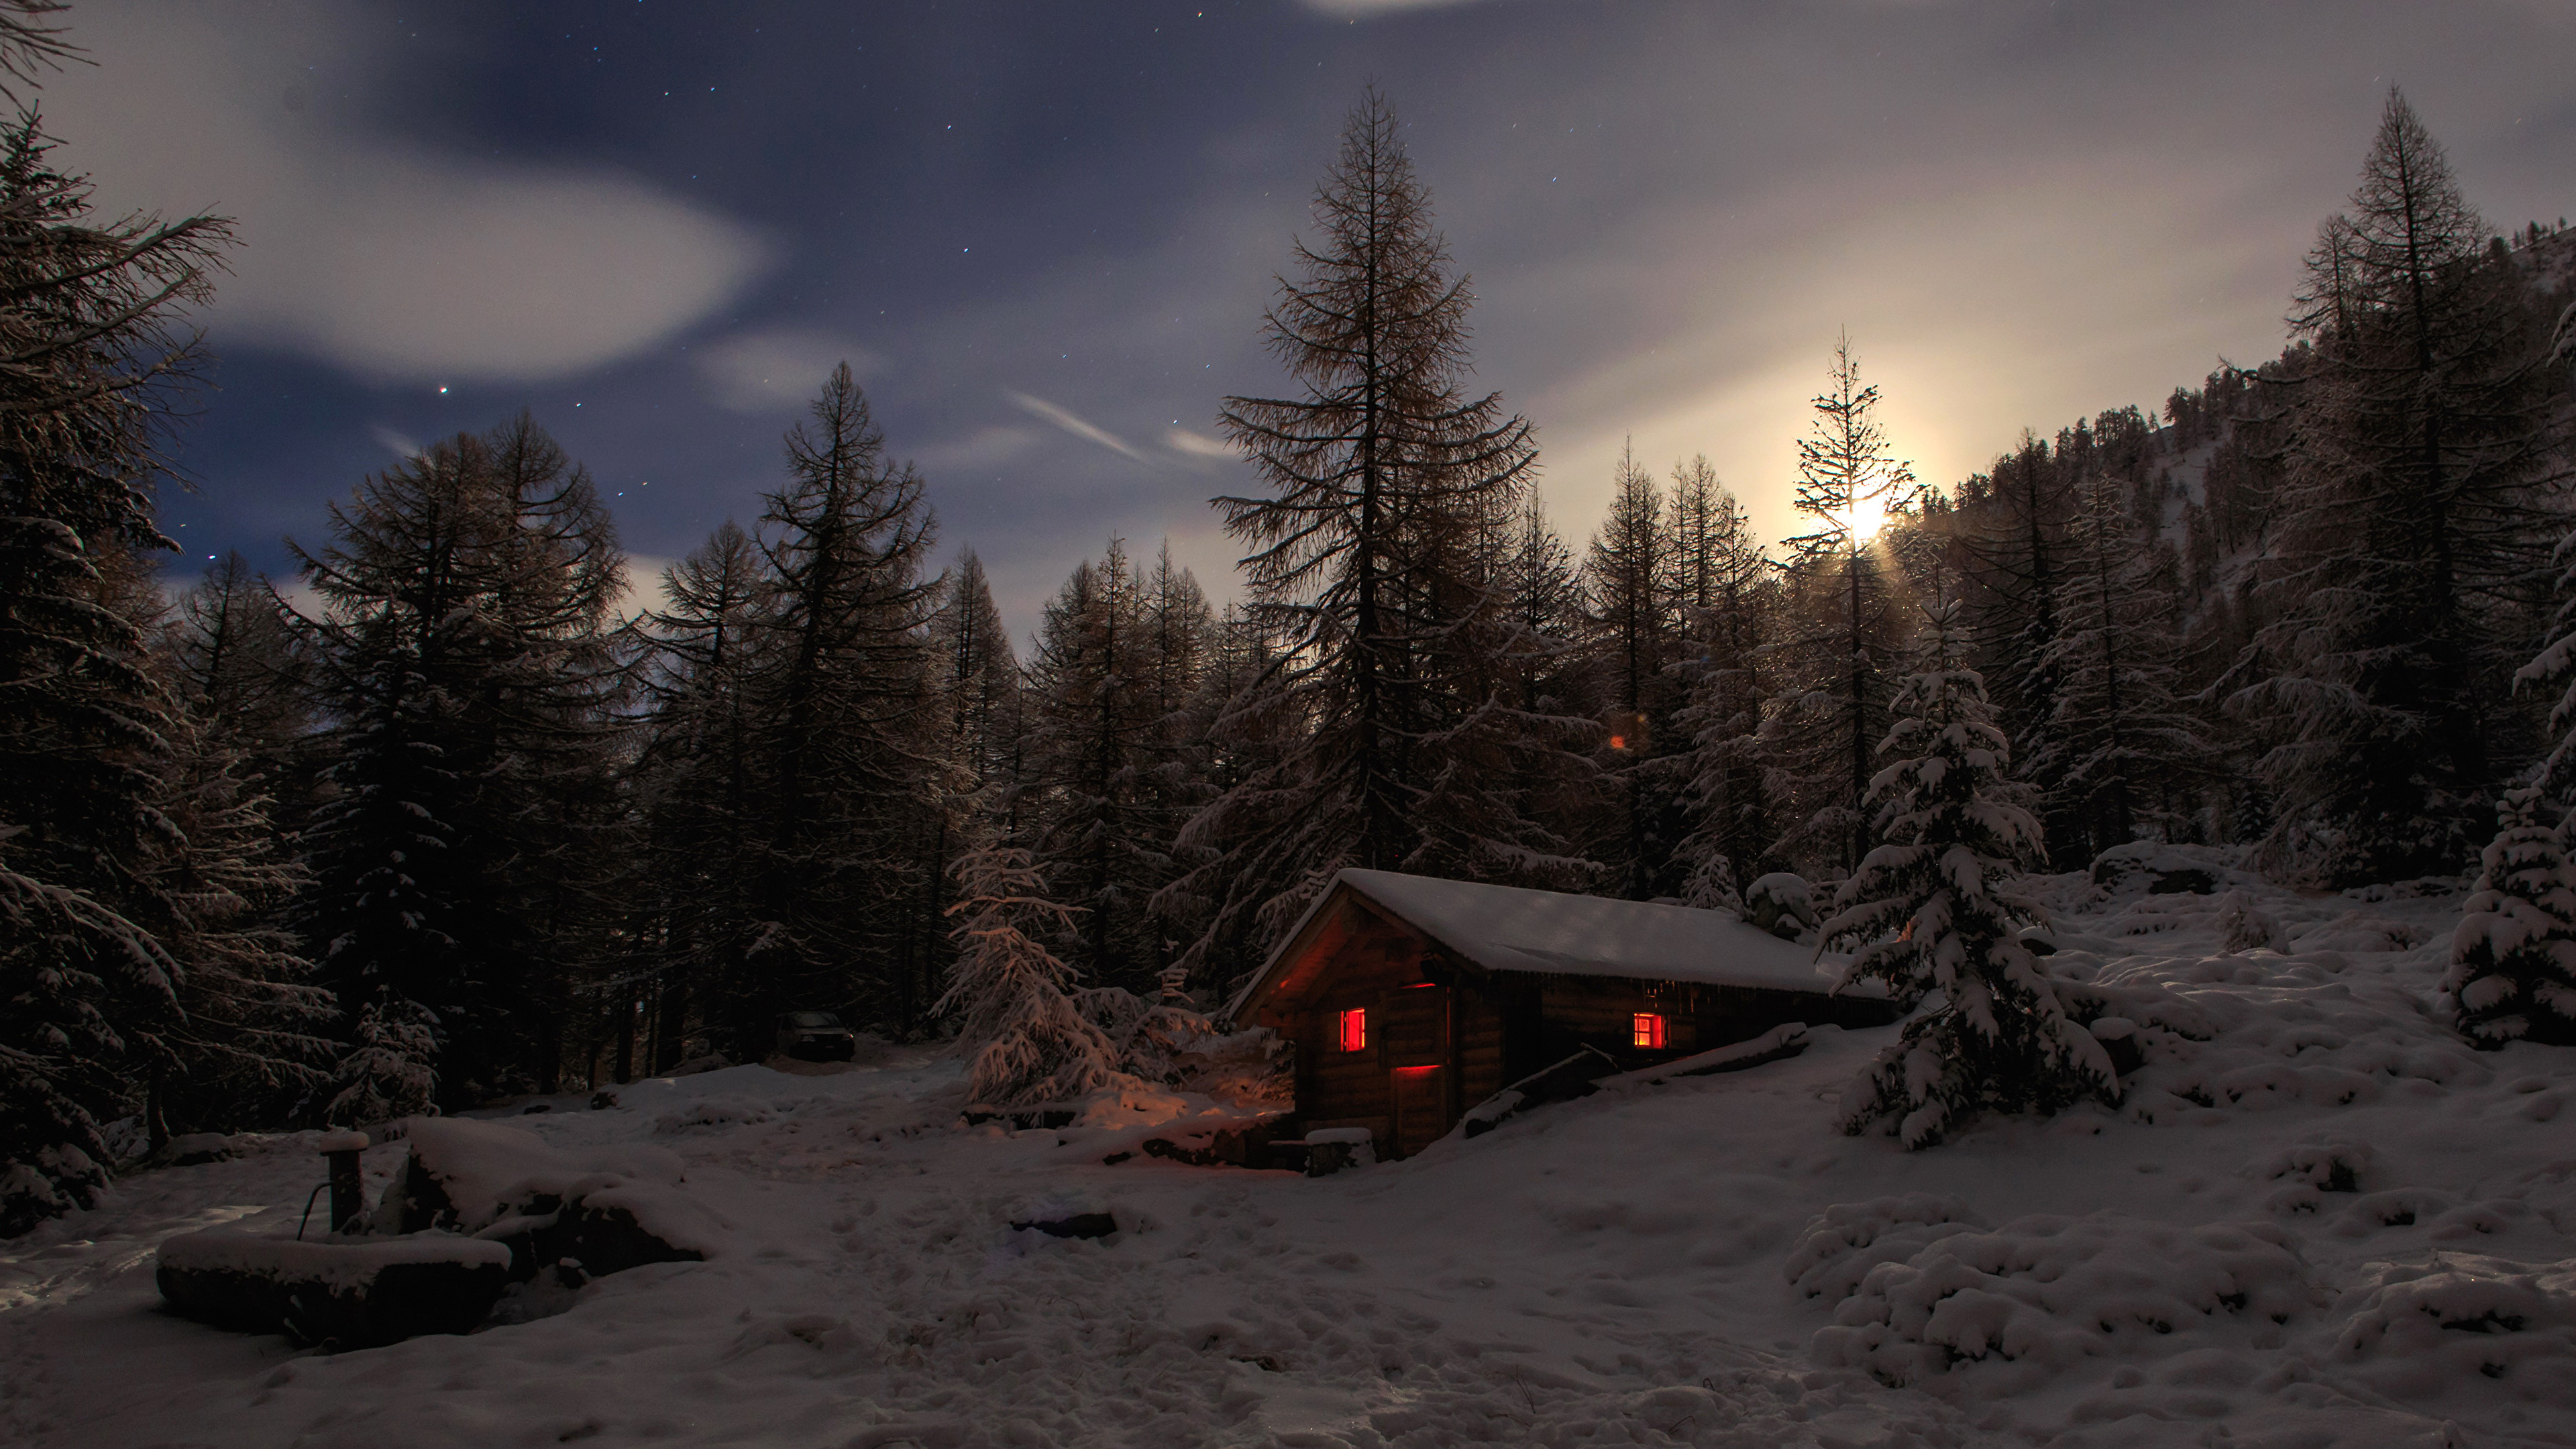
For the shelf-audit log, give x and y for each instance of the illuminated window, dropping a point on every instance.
(1354, 1030)
(1647, 1030)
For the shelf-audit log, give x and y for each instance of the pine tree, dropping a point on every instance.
(90, 347)
(1377, 562)
(462, 651)
(1936, 906)
(1847, 633)
(2513, 958)
(2411, 550)
(1015, 1001)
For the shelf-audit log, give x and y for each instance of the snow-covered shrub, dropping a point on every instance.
(1031, 1041)
(60, 1179)
(387, 1073)
(2155, 868)
(2326, 1162)
(1780, 903)
(1847, 1240)
(1711, 885)
(1937, 906)
(2513, 959)
(2245, 926)
(2469, 1325)
(2049, 1291)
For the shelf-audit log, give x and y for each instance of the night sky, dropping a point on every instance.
(1044, 234)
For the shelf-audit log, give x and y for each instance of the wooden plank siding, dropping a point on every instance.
(1445, 1034)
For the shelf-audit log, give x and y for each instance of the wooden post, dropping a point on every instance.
(348, 1188)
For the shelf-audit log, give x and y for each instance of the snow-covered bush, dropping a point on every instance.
(2046, 1291)
(2470, 1325)
(1021, 1018)
(60, 1179)
(2245, 926)
(1938, 906)
(1780, 903)
(387, 1074)
(2513, 959)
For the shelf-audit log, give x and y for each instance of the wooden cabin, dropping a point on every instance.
(1410, 1000)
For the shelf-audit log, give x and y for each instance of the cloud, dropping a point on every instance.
(773, 370)
(387, 260)
(1197, 445)
(1073, 423)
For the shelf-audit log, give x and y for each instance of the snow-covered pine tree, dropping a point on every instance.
(1015, 1001)
(90, 344)
(1937, 905)
(2513, 958)
(389, 1070)
(1844, 631)
(1376, 566)
(2416, 439)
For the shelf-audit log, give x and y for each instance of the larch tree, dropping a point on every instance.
(700, 788)
(462, 651)
(1634, 618)
(1937, 905)
(1376, 560)
(91, 343)
(1018, 1009)
(2414, 534)
(848, 732)
(2122, 748)
(1730, 608)
(1846, 633)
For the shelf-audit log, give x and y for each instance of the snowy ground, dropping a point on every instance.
(2341, 1228)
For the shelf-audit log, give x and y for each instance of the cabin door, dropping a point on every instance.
(1415, 1048)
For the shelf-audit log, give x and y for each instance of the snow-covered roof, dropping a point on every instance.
(1507, 928)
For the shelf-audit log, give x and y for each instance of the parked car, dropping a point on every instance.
(815, 1036)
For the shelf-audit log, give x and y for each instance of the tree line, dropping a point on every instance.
(453, 827)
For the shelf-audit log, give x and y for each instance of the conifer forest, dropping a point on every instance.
(459, 808)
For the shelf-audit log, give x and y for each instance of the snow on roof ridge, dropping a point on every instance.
(1520, 929)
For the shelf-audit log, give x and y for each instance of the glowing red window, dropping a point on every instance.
(1354, 1030)
(1647, 1030)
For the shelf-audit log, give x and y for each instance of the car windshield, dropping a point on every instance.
(812, 1018)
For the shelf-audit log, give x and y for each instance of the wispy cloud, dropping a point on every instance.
(391, 260)
(776, 369)
(1075, 424)
(1197, 445)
